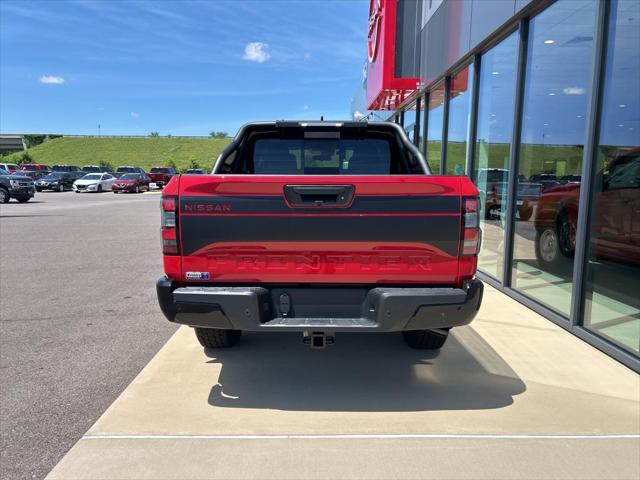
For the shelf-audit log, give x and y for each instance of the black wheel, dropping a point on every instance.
(23, 199)
(137, 189)
(426, 339)
(493, 212)
(217, 338)
(553, 244)
(566, 235)
(99, 188)
(61, 188)
(4, 195)
(38, 189)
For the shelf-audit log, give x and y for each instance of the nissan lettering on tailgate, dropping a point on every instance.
(320, 228)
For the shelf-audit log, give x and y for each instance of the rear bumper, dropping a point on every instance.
(319, 308)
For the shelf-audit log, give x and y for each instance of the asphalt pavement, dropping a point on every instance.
(78, 317)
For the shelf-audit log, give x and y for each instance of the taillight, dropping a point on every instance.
(169, 222)
(471, 234)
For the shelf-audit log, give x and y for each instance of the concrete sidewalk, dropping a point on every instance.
(511, 396)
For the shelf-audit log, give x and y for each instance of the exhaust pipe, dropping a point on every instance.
(318, 340)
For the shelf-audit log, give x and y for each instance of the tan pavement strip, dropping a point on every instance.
(510, 373)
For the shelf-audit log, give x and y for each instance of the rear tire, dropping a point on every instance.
(4, 195)
(525, 213)
(217, 338)
(426, 339)
(99, 188)
(554, 244)
(23, 199)
(61, 188)
(493, 213)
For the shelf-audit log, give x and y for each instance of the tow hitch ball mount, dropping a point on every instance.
(318, 339)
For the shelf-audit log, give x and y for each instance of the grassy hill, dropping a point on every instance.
(144, 152)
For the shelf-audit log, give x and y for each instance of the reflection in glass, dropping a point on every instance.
(434, 127)
(495, 123)
(410, 121)
(557, 86)
(459, 114)
(423, 110)
(613, 269)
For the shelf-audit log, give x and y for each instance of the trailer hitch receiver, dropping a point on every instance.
(318, 340)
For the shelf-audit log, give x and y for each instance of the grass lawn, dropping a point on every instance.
(143, 152)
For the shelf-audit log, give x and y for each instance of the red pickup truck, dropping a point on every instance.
(161, 175)
(319, 228)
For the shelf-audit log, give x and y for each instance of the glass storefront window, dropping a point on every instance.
(458, 129)
(495, 124)
(557, 86)
(613, 268)
(423, 115)
(410, 121)
(434, 127)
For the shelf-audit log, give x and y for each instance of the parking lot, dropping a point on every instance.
(78, 317)
(83, 363)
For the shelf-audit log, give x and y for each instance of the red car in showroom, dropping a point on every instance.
(132, 183)
(615, 223)
(161, 175)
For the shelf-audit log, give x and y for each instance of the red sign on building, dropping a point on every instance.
(385, 91)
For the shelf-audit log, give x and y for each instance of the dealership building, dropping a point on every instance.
(538, 101)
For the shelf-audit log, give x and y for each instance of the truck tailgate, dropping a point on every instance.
(397, 229)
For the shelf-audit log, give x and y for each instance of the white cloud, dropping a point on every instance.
(52, 79)
(573, 91)
(135, 114)
(256, 52)
(306, 107)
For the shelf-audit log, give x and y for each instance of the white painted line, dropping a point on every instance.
(364, 437)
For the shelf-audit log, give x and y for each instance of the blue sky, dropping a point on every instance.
(183, 67)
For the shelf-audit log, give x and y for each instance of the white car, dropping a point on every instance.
(94, 182)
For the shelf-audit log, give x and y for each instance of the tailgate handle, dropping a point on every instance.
(318, 196)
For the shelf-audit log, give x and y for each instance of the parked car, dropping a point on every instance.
(94, 182)
(132, 183)
(58, 181)
(493, 190)
(65, 168)
(34, 170)
(95, 169)
(569, 179)
(20, 187)
(195, 171)
(340, 242)
(161, 175)
(10, 167)
(74, 170)
(126, 169)
(615, 224)
(547, 180)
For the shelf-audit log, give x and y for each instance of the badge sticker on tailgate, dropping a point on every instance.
(197, 275)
